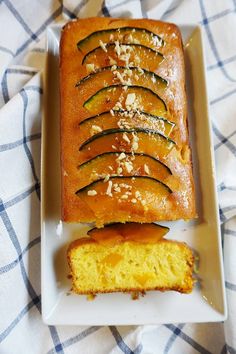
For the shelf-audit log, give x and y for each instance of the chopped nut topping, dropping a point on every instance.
(106, 178)
(112, 62)
(117, 106)
(126, 186)
(130, 38)
(105, 83)
(121, 156)
(117, 48)
(95, 129)
(94, 174)
(122, 123)
(123, 52)
(153, 79)
(132, 157)
(91, 193)
(132, 103)
(103, 45)
(156, 41)
(128, 166)
(90, 67)
(135, 142)
(128, 72)
(125, 137)
(109, 188)
(114, 147)
(119, 76)
(117, 189)
(119, 170)
(146, 169)
(114, 67)
(130, 99)
(133, 200)
(124, 196)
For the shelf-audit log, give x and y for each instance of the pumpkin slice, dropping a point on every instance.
(131, 231)
(122, 34)
(121, 75)
(127, 97)
(127, 140)
(134, 164)
(139, 55)
(124, 119)
(114, 199)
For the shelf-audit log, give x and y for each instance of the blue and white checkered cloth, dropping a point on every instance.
(22, 37)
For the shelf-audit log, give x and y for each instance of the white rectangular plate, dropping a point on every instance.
(207, 302)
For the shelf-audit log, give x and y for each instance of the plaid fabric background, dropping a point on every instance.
(22, 39)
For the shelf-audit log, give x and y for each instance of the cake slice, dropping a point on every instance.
(130, 266)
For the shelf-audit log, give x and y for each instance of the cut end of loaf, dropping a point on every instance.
(130, 266)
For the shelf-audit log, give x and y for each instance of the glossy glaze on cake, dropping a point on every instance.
(122, 86)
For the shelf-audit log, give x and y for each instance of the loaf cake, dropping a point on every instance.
(118, 260)
(125, 151)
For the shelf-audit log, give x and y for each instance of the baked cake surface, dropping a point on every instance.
(130, 161)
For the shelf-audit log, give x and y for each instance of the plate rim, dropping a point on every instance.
(46, 316)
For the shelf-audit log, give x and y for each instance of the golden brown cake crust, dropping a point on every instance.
(182, 201)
